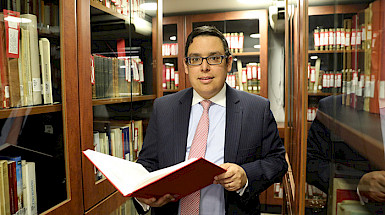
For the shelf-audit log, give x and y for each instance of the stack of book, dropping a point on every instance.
(25, 80)
(116, 77)
(235, 41)
(170, 77)
(124, 7)
(246, 78)
(17, 186)
(118, 139)
(169, 49)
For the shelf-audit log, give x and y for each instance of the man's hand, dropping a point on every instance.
(233, 179)
(372, 186)
(153, 202)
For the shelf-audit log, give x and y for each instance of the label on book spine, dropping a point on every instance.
(12, 29)
(36, 84)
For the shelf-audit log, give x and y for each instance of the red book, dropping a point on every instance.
(132, 179)
(12, 187)
(3, 68)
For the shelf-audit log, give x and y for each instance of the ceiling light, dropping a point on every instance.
(173, 38)
(149, 6)
(314, 57)
(255, 35)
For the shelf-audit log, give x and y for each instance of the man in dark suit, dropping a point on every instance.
(242, 136)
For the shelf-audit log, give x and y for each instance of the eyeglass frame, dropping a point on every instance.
(187, 59)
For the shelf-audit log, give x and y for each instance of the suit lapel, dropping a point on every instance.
(233, 125)
(182, 115)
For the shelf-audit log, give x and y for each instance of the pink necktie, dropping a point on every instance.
(190, 204)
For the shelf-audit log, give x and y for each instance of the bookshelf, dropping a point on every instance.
(23, 126)
(107, 34)
(355, 123)
(254, 49)
(172, 55)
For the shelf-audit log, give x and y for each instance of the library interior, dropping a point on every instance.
(82, 82)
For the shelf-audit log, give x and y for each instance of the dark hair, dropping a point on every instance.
(207, 31)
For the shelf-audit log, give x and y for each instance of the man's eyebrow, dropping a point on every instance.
(210, 54)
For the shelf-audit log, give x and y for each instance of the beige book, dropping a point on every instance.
(29, 188)
(34, 53)
(45, 62)
(26, 67)
(4, 187)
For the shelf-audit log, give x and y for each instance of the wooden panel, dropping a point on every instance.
(336, 9)
(15, 112)
(94, 192)
(108, 205)
(70, 111)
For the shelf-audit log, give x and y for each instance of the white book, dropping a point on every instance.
(29, 188)
(45, 62)
(26, 75)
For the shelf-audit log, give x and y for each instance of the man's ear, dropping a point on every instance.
(185, 67)
(229, 63)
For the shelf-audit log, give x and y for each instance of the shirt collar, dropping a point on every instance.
(219, 98)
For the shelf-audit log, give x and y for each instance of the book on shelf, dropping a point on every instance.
(44, 47)
(15, 181)
(29, 188)
(4, 92)
(4, 189)
(132, 179)
(375, 55)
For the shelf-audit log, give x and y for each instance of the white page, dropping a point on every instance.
(124, 175)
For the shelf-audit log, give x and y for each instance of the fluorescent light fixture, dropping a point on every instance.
(141, 26)
(173, 38)
(17, 19)
(255, 2)
(255, 35)
(257, 46)
(149, 6)
(314, 57)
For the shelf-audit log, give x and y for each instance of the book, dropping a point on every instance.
(29, 188)
(16, 176)
(132, 179)
(4, 92)
(45, 62)
(4, 189)
(34, 57)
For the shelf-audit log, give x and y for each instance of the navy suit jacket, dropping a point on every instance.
(252, 141)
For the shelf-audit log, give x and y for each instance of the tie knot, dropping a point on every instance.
(206, 104)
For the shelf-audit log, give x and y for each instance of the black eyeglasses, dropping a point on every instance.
(211, 60)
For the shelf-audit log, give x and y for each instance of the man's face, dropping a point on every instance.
(207, 79)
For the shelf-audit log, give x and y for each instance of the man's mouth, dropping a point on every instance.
(205, 78)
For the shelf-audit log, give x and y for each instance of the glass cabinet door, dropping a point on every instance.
(337, 79)
(38, 112)
(118, 86)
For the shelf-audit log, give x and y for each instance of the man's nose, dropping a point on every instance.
(205, 65)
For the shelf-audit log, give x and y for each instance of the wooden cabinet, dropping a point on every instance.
(348, 118)
(117, 104)
(41, 130)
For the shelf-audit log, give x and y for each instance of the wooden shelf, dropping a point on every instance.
(170, 56)
(170, 91)
(334, 51)
(107, 101)
(32, 110)
(108, 10)
(322, 94)
(246, 54)
(359, 129)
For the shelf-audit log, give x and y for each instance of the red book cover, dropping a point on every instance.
(132, 179)
(12, 186)
(3, 67)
